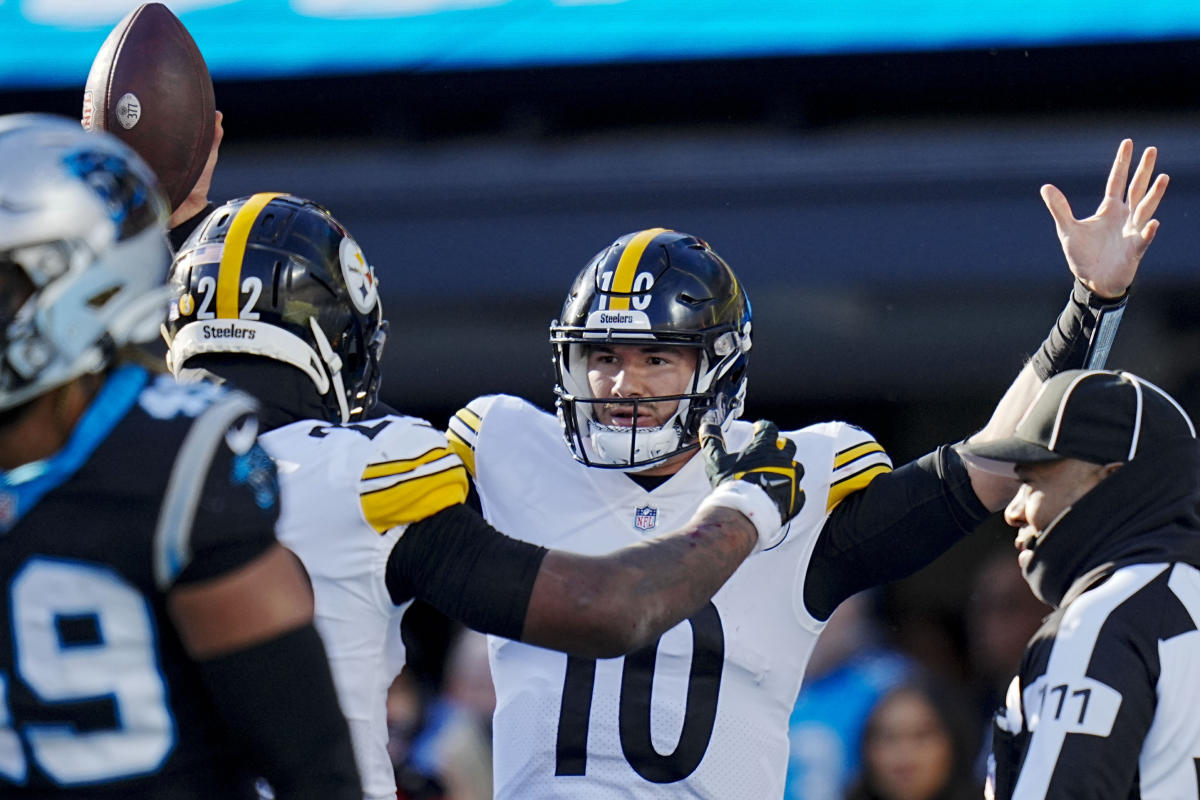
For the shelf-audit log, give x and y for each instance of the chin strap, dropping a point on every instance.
(333, 363)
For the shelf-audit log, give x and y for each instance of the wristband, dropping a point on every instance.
(755, 505)
(1083, 334)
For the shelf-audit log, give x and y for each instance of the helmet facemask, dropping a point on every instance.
(633, 447)
(82, 238)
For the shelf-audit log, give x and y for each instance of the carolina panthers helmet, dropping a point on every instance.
(277, 276)
(83, 252)
(655, 286)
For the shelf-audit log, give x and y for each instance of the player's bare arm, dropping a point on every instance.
(1103, 252)
(262, 600)
(605, 606)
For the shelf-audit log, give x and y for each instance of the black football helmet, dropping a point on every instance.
(277, 276)
(655, 286)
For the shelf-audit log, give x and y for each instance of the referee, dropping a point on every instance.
(1107, 702)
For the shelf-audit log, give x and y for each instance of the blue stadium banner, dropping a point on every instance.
(50, 43)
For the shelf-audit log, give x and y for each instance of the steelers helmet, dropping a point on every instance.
(662, 287)
(276, 276)
(83, 252)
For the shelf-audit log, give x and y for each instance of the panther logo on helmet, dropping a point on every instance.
(82, 239)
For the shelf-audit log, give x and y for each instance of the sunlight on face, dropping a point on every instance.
(1047, 489)
(635, 371)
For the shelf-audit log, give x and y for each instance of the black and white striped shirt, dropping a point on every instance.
(1107, 703)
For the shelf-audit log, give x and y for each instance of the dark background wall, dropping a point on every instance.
(882, 211)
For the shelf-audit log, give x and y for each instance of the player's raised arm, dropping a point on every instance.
(193, 208)
(1103, 252)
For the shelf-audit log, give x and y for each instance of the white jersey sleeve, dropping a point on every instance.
(348, 493)
(701, 712)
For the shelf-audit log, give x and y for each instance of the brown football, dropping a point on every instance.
(150, 87)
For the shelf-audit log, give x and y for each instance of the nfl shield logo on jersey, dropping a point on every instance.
(645, 518)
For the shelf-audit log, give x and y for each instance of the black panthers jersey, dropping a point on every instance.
(159, 485)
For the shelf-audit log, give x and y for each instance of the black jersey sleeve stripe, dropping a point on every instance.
(468, 419)
(172, 535)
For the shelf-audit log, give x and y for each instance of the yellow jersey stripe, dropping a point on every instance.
(463, 450)
(469, 418)
(842, 489)
(384, 468)
(410, 501)
(229, 276)
(858, 451)
(627, 267)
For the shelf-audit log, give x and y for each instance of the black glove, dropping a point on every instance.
(764, 467)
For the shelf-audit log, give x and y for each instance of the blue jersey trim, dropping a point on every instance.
(23, 487)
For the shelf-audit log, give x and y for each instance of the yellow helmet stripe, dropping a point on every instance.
(229, 277)
(627, 267)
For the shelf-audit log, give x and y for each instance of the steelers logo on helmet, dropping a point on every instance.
(275, 276)
(359, 275)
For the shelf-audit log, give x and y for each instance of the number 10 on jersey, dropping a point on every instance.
(637, 678)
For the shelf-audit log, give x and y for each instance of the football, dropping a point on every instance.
(150, 87)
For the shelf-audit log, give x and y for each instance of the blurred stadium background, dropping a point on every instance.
(869, 167)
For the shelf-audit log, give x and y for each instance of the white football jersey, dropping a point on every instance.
(348, 493)
(702, 712)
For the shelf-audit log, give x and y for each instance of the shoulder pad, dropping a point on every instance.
(414, 474)
(857, 460)
(463, 430)
(227, 419)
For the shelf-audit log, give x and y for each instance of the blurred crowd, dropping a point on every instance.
(882, 715)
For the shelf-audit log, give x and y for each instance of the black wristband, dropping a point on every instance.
(1083, 334)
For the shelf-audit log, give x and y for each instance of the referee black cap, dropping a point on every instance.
(1100, 416)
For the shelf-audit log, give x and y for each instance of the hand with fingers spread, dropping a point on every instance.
(762, 481)
(1104, 250)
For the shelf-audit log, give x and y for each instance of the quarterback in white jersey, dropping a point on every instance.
(272, 294)
(708, 703)
(651, 344)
